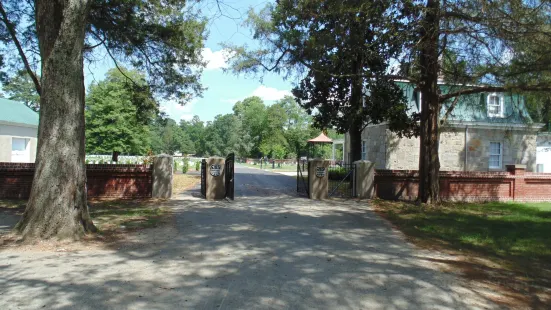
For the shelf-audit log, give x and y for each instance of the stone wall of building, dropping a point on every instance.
(388, 151)
(376, 139)
(402, 153)
(452, 149)
(519, 147)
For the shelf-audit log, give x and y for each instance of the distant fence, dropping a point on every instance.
(513, 185)
(132, 160)
(103, 180)
(286, 162)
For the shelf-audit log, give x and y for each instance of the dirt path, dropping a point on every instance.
(266, 250)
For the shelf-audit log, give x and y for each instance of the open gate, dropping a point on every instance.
(302, 173)
(230, 186)
(204, 177)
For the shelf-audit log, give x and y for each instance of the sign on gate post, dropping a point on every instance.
(216, 170)
(320, 172)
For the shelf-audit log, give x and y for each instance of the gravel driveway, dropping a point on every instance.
(266, 250)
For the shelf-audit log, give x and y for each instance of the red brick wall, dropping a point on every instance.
(103, 181)
(514, 185)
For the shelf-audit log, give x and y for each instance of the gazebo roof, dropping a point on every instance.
(322, 138)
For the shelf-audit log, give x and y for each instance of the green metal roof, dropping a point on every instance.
(17, 113)
(473, 108)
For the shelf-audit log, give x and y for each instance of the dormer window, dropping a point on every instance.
(495, 105)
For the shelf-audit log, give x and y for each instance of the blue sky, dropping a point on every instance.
(223, 89)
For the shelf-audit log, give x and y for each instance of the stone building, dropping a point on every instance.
(18, 132)
(485, 132)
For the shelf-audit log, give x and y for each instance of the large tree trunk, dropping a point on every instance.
(429, 164)
(355, 134)
(57, 205)
(356, 101)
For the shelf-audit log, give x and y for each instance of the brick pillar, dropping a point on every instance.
(162, 176)
(365, 179)
(519, 185)
(318, 179)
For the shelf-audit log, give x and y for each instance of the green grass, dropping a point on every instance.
(514, 237)
(130, 214)
(502, 229)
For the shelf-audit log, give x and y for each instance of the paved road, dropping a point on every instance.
(251, 182)
(266, 250)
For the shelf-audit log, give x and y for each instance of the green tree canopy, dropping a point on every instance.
(169, 138)
(118, 115)
(342, 50)
(20, 87)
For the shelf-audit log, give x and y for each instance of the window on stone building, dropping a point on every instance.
(364, 150)
(495, 105)
(496, 154)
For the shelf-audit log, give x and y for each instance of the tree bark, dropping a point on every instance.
(57, 206)
(355, 134)
(429, 163)
(356, 100)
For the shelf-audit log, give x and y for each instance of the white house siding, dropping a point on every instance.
(543, 151)
(7, 132)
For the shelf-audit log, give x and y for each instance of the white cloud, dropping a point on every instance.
(215, 60)
(270, 93)
(177, 111)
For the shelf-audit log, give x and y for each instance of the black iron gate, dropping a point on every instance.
(341, 180)
(230, 188)
(302, 173)
(204, 178)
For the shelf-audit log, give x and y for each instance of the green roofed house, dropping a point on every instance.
(18, 132)
(485, 132)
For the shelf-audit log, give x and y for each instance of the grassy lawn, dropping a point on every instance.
(505, 243)
(111, 216)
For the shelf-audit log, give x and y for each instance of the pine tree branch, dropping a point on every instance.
(449, 110)
(13, 35)
(483, 89)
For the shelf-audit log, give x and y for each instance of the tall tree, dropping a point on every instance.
(273, 143)
(169, 138)
(499, 46)
(118, 114)
(344, 49)
(195, 129)
(251, 112)
(161, 38)
(21, 88)
(298, 126)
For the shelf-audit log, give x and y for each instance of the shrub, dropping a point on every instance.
(175, 166)
(339, 173)
(185, 165)
(197, 165)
